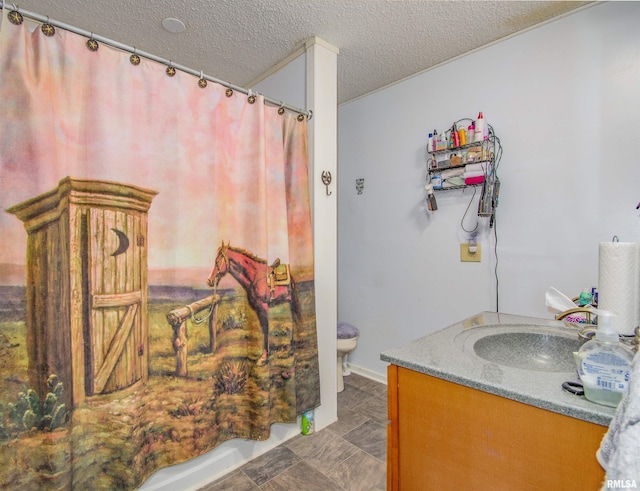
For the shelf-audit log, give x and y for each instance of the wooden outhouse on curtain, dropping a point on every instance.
(87, 286)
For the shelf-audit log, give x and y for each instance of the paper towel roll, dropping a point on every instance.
(619, 284)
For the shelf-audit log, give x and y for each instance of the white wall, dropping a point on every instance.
(564, 99)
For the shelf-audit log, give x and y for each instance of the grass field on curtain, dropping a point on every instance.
(174, 412)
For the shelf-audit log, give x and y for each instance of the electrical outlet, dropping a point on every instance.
(473, 257)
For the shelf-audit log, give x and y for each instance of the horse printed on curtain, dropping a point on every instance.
(156, 268)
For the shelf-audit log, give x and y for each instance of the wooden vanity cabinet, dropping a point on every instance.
(445, 436)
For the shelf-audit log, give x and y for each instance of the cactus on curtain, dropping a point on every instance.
(156, 268)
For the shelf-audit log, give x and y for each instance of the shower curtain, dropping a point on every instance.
(156, 266)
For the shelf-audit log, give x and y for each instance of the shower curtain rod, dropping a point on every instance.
(130, 49)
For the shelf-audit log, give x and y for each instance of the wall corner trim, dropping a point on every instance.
(309, 42)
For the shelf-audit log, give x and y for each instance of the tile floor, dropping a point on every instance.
(348, 455)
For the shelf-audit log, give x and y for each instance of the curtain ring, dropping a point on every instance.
(228, 92)
(281, 108)
(92, 44)
(170, 70)
(15, 17)
(300, 117)
(202, 83)
(252, 98)
(134, 58)
(47, 29)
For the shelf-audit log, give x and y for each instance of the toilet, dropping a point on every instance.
(347, 341)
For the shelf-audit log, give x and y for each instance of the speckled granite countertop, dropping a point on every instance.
(447, 354)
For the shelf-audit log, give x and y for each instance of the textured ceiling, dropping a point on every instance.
(380, 41)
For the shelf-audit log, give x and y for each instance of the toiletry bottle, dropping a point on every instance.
(604, 364)
(430, 146)
(585, 298)
(462, 136)
(471, 132)
(480, 128)
(307, 422)
(455, 136)
(432, 204)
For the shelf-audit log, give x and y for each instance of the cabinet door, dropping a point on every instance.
(451, 437)
(115, 326)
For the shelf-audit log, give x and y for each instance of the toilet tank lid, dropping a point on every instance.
(347, 331)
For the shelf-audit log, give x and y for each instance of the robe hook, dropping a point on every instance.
(326, 180)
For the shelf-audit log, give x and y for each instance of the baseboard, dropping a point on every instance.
(370, 374)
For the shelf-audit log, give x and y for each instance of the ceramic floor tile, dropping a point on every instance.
(300, 477)
(351, 396)
(370, 437)
(236, 481)
(375, 408)
(348, 419)
(269, 465)
(330, 454)
(379, 390)
(359, 381)
(360, 472)
(305, 446)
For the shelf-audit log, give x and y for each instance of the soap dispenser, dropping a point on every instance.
(604, 364)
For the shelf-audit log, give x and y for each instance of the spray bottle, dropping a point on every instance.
(432, 204)
(604, 364)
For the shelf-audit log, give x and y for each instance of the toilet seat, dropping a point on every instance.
(347, 341)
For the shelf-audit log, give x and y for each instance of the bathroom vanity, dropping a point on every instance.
(480, 405)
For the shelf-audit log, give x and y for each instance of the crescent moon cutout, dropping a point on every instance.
(123, 242)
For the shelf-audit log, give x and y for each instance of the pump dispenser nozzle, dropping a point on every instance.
(605, 331)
